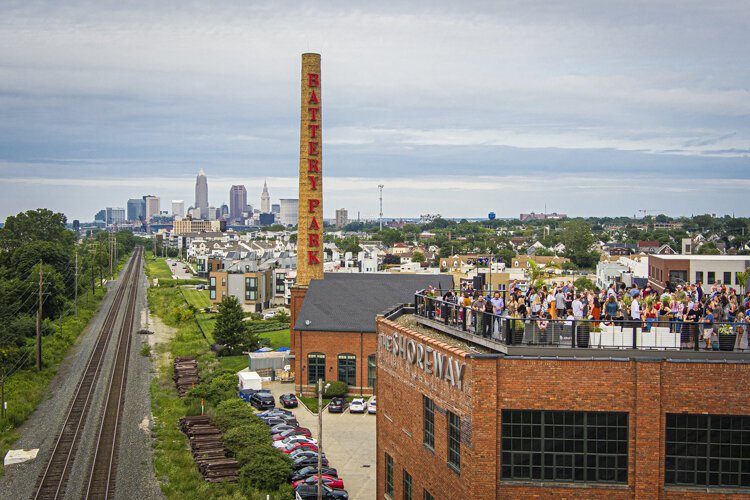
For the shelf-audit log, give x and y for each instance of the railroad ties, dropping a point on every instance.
(208, 450)
(185, 374)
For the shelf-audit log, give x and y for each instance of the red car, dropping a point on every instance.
(295, 446)
(330, 481)
(299, 431)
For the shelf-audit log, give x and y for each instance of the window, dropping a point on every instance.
(707, 450)
(678, 277)
(212, 283)
(564, 446)
(454, 441)
(372, 370)
(212, 294)
(348, 369)
(407, 486)
(316, 367)
(388, 475)
(711, 277)
(699, 276)
(428, 495)
(429, 422)
(727, 278)
(251, 288)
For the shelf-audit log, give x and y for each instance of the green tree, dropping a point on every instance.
(418, 256)
(576, 236)
(708, 249)
(231, 331)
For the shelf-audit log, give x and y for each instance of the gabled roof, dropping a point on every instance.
(344, 302)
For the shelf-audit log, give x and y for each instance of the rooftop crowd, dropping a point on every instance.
(694, 311)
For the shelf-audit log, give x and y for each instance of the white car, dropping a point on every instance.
(269, 314)
(372, 405)
(357, 405)
(282, 443)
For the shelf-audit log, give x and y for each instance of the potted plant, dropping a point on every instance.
(727, 338)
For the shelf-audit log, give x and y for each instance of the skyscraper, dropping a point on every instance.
(152, 206)
(178, 208)
(136, 209)
(265, 200)
(342, 217)
(288, 215)
(201, 194)
(237, 202)
(114, 215)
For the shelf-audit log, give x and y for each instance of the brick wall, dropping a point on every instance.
(646, 389)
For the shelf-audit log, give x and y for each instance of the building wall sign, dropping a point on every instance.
(423, 357)
(310, 209)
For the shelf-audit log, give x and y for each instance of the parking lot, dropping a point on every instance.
(348, 442)
(178, 270)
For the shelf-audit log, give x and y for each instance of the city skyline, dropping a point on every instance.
(503, 107)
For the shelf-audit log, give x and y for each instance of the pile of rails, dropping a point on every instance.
(185, 374)
(208, 450)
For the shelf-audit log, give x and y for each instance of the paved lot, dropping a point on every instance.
(178, 271)
(348, 442)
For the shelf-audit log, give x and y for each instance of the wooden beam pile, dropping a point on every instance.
(208, 450)
(185, 374)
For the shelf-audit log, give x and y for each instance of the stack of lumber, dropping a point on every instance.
(185, 374)
(208, 450)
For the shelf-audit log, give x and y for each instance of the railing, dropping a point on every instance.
(580, 333)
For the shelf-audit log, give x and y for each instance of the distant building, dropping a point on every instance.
(224, 210)
(189, 225)
(212, 211)
(237, 201)
(265, 200)
(266, 219)
(152, 206)
(533, 216)
(178, 208)
(201, 194)
(288, 215)
(707, 269)
(101, 215)
(76, 225)
(342, 217)
(114, 216)
(136, 209)
(275, 208)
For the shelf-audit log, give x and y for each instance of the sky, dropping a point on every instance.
(458, 108)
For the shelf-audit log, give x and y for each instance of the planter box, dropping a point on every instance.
(727, 341)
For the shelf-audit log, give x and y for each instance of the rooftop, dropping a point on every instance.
(738, 258)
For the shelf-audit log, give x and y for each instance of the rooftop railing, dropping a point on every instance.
(580, 333)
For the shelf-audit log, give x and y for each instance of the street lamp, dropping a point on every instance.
(320, 435)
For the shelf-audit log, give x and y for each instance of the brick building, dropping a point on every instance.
(707, 269)
(333, 325)
(461, 418)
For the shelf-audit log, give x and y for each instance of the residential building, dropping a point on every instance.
(178, 208)
(237, 202)
(201, 194)
(461, 416)
(288, 211)
(136, 209)
(706, 269)
(152, 204)
(342, 217)
(265, 200)
(253, 287)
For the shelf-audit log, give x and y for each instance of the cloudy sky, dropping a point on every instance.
(458, 108)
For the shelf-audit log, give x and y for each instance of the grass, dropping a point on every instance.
(233, 363)
(278, 339)
(25, 389)
(157, 268)
(197, 298)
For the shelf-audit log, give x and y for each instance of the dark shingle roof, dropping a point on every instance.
(349, 302)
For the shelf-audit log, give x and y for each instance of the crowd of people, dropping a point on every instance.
(691, 310)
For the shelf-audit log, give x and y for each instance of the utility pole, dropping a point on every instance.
(320, 438)
(39, 323)
(380, 187)
(75, 299)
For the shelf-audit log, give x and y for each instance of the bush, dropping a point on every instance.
(335, 389)
(266, 469)
(217, 389)
(234, 413)
(244, 438)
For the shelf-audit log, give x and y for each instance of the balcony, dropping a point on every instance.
(575, 337)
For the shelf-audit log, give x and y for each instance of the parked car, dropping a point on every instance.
(200, 287)
(288, 401)
(293, 439)
(281, 428)
(357, 405)
(330, 481)
(262, 400)
(300, 445)
(274, 412)
(372, 405)
(312, 470)
(310, 492)
(306, 461)
(269, 314)
(247, 394)
(274, 421)
(296, 431)
(301, 453)
(336, 405)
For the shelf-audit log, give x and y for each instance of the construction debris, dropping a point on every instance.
(208, 450)
(185, 374)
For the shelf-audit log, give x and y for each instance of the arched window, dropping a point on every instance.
(372, 369)
(316, 367)
(348, 368)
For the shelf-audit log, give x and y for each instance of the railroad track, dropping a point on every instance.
(104, 467)
(54, 478)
